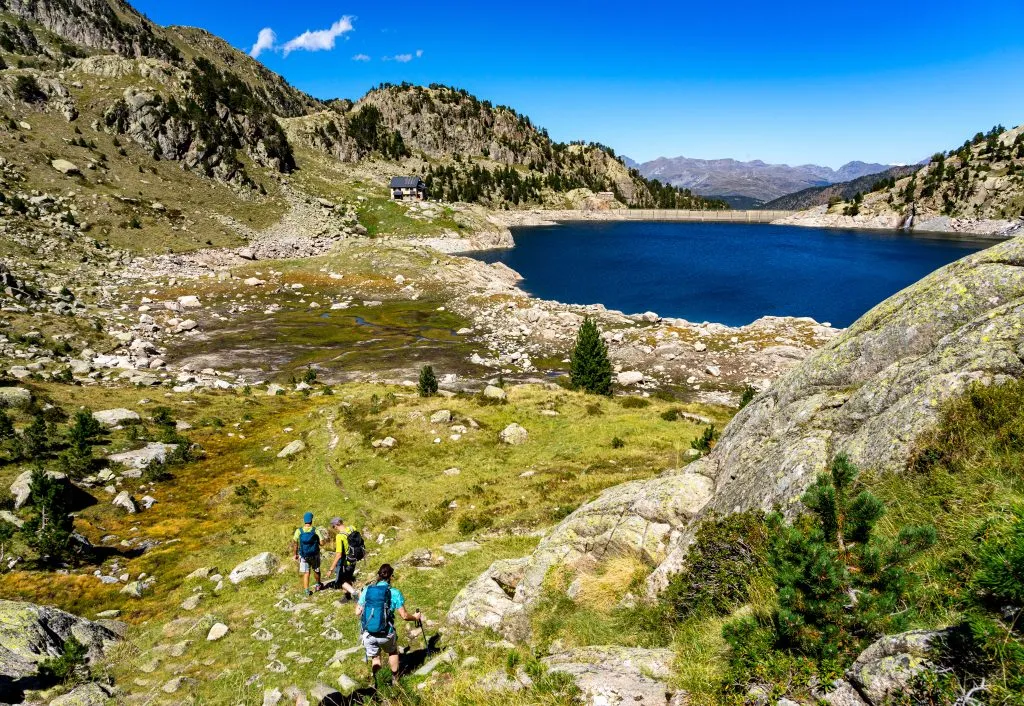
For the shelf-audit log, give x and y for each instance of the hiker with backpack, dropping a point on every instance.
(306, 547)
(378, 605)
(348, 549)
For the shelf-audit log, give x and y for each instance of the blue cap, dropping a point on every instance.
(307, 518)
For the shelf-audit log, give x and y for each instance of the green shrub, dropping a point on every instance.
(69, 665)
(468, 524)
(27, 89)
(48, 529)
(618, 443)
(748, 395)
(706, 441)
(631, 402)
(728, 554)
(251, 496)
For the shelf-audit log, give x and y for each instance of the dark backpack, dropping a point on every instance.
(309, 543)
(356, 547)
(377, 618)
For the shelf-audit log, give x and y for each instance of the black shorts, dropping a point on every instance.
(346, 574)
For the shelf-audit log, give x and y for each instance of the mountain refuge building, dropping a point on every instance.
(408, 187)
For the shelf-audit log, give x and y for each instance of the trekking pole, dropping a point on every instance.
(423, 633)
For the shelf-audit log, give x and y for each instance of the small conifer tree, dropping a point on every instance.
(589, 367)
(428, 382)
(838, 583)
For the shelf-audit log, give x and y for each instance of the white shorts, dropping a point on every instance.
(313, 563)
(374, 645)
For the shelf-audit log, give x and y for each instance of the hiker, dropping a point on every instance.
(306, 546)
(378, 604)
(348, 549)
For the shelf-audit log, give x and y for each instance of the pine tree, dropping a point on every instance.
(838, 583)
(428, 382)
(589, 367)
(48, 530)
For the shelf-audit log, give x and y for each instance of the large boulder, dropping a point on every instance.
(487, 603)
(259, 566)
(30, 633)
(140, 459)
(617, 675)
(513, 434)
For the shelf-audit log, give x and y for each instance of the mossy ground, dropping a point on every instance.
(501, 497)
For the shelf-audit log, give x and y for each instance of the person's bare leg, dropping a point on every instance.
(317, 574)
(393, 663)
(305, 581)
(349, 589)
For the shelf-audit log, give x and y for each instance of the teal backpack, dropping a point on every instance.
(377, 619)
(309, 543)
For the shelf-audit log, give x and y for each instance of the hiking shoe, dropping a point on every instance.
(309, 592)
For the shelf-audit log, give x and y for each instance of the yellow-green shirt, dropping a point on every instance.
(341, 543)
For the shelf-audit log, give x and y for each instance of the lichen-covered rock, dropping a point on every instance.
(31, 633)
(140, 459)
(487, 603)
(640, 518)
(889, 665)
(114, 417)
(617, 675)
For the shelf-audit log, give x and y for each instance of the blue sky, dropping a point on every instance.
(795, 82)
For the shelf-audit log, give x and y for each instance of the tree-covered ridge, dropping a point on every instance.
(982, 178)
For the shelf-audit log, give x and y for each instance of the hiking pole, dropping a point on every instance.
(423, 633)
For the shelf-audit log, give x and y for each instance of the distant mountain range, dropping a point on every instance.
(756, 180)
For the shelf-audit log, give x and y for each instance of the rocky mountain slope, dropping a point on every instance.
(756, 179)
(975, 188)
(842, 191)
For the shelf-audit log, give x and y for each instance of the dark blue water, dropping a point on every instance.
(724, 272)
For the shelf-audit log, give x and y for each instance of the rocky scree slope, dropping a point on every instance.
(976, 188)
(869, 394)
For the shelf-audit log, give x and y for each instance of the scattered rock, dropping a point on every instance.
(493, 392)
(91, 694)
(617, 675)
(629, 377)
(65, 167)
(218, 631)
(513, 435)
(442, 416)
(115, 417)
(124, 501)
(295, 447)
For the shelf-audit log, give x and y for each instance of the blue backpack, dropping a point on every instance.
(309, 543)
(378, 619)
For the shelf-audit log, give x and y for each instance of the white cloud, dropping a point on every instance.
(266, 40)
(319, 40)
(360, 57)
(403, 58)
(419, 53)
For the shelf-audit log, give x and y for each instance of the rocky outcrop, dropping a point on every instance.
(31, 633)
(608, 676)
(868, 394)
(487, 602)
